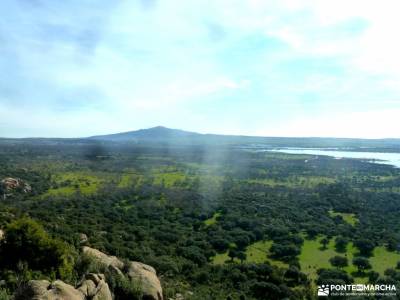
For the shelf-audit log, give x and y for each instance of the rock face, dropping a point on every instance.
(143, 274)
(94, 287)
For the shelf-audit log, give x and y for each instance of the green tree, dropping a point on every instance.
(26, 242)
(242, 256)
(339, 261)
(233, 253)
(373, 276)
(341, 244)
(324, 243)
(362, 264)
(365, 246)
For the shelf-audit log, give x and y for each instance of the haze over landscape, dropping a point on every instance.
(199, 150)
(267, 68)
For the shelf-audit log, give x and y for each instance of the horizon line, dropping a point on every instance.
(193, 132)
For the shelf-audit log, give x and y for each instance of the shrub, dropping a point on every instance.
(4, 295)
(26, 242)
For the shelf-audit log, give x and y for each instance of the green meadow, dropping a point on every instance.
(68, 183)
(213, 219)
(257, 252)
(348, 218)
(313, 257)
(130, 179)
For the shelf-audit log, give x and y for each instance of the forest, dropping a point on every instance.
(215, 221)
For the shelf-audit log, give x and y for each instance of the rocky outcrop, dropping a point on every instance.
(10, 184)
(144, 275)
(93, 287)
(44, 290)
(103, 258)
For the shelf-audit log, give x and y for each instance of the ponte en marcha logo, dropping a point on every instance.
(325, 290)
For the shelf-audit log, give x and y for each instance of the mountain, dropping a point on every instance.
(160, 135)
(154, 134)
(163, 135)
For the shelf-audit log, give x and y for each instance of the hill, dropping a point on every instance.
(158, 133)
(163, 136)
(166, 135)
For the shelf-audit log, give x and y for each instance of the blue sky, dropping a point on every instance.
(256, 67)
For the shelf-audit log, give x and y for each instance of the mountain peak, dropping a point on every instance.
(155, 134)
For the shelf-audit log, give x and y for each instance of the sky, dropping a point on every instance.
(78, 68)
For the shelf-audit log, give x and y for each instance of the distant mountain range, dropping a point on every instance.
(164, 135)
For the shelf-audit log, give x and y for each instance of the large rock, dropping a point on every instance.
(93, 287)
(104, 258)
(147, 279)
(44, 290)
(144, 275)
(83, 238)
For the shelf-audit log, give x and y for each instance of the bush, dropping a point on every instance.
(26, 242)
(365, 247)
(124, 288)
(341, 244)
(332, 276)
(361, 263)
(339, 261)
(284, 251)
(4, 295)
(88, 264)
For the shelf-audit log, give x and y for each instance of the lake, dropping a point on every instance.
(374, 157)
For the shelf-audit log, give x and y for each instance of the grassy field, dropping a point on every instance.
(313, 258)
(222, 258)
(292, 182)
(130, 179)
(348, 218)
(169, 179)
(72, 182)
(383, 259)
(255, 253)
(212, 220)
(258, 253)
